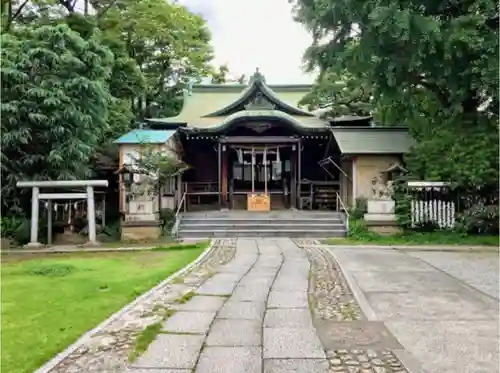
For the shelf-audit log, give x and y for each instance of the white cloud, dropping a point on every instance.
(256, 33)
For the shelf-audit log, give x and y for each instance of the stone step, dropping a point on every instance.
(261, 221)
(192, 233)
(263, 215)
(259, 226)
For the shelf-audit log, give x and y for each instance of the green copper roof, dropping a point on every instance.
(207, 105)
(300, 123)
(373, 140)
(141, 136)
(256, 87)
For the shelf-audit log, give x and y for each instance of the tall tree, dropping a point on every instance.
(220, 76)
(169, 44)
(434, 63)
(340, 93)
(54, 105)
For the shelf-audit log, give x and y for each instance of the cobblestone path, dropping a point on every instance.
(252, 306)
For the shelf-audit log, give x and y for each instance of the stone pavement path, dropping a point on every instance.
(252, 306)
(254, 315)
(441, 306)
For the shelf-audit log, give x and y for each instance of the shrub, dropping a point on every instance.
(167, 220)
(360, 208)
(9, 225)
(479, 219)
(359, 231)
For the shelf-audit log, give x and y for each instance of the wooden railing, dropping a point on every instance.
(346, 217)
(175, 228)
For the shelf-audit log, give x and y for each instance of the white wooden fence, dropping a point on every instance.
(442, 213)
(431, 205)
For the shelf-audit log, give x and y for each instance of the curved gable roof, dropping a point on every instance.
(258, 86)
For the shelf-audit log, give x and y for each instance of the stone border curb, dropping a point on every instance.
(410, 362)
(356, 291)
(51, 364)
(448, 248)
(79, 250)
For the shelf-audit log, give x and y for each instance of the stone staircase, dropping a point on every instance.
(285, 223)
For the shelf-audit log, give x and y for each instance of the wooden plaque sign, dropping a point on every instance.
(258, 202)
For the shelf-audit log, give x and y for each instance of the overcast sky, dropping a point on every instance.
(256, 33)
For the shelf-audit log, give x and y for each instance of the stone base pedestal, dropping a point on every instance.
(90, 244)
(141, 230)
(34, 245)
(380, 217)
(383, 227)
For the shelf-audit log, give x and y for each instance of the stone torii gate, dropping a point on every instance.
(37, 196)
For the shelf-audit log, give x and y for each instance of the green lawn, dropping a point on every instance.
(49, 301)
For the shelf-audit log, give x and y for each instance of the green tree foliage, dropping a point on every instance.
(86, 78)
(220, 76)
(54, 105)
(432, 64)
(340, 93)
(169, 44)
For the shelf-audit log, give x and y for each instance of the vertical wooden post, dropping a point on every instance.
(219, 165)
(91, 214)
(293, 177)
(34, 217)
(225, 175)
(299, 165)
(104, 209)
(265, 170)
(253, 170)
(49, 222)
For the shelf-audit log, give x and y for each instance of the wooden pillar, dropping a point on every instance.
(293, 176)
(299, 166)
(91, 214)
(219, 175)
(224, 176)
(34, 217)
(49, 222)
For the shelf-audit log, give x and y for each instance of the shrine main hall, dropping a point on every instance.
(252, 147)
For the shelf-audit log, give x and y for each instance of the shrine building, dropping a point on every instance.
(250, 147)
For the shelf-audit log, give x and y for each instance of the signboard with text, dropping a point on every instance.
(258, 202)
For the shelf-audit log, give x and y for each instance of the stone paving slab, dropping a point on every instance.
(172, 351)
(479, 270)
(406, 281)
(295, 366)
(287, 299)
(201, 303)
(288, 318)
(379, 261)
(292, 343)
(291, 283)
(147, 370)
(258, 280)
(451, 346)
(242, 310)
(234, 333)
(431, 306)
(253, 293)
(230, 360)
(217, 287)
(189, 322)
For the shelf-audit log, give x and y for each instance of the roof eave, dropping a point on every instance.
(245, 95)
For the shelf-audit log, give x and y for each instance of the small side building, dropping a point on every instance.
(139, 206)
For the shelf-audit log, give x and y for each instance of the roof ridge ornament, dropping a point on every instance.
(257, 77)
